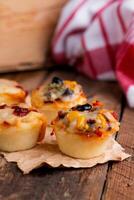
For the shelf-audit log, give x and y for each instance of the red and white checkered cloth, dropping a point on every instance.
(97, 37)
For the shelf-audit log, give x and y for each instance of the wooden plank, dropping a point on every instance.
(120, 181)
(29, 79)
(61, 183)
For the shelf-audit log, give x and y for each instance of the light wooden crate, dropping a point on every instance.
(26, 29)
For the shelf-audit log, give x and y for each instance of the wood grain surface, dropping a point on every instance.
(120, 178)
(109, 181)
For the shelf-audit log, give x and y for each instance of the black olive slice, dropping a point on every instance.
(57, 80)
(68, 92)
(83, 107)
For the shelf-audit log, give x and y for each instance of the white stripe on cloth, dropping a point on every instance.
(107, 76)
(71, 23)
(114, 31)
(130, 95)
(127, 10)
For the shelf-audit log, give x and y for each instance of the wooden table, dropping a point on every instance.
(110, 181)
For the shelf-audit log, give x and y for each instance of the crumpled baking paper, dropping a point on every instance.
(49, 154)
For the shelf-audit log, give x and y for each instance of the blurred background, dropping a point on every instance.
(25, 33)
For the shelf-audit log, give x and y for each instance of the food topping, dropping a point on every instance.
(20, 87)
(16, 110)
(98, 132)
(6, 124)
(11, 87)
(54, 90)
(13, 115)
(97, 103)
(85, 121)
(82, 107)
(68, 92)
(21, 112)
(60, 90)
(3, 106)
(57, 80)
(61, 114)
(115, 115)
(91, 121)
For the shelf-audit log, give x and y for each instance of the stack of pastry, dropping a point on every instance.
(83, 130)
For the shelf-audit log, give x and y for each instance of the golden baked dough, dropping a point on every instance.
(20, 128)
(85, 130)
(11, 92)
(57, 95)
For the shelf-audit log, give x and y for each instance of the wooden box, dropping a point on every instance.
(26, 28)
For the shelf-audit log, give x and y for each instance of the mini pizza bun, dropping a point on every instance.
(57, 95)
(11, 92)
(20, 128)
(48, 109)
(85, 130)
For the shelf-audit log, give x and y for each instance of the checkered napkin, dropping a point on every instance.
(97, 37)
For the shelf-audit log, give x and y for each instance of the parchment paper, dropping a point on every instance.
(49, 153)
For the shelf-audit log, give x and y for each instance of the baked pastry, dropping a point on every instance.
(11, 92)
(57, 95)
(85, 130)
(20, 128)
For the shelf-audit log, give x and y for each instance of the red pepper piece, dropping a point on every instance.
(20, 112)
(115, 115)
(97, 103)
(6, 124)
(3, 106)
(52, 133)
(98, 133)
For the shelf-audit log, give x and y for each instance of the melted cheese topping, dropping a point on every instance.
(9, 87)
(89, 121)
(8, 118)
(65, 102)
(11, 92)
(57, 94)
(76, 88)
